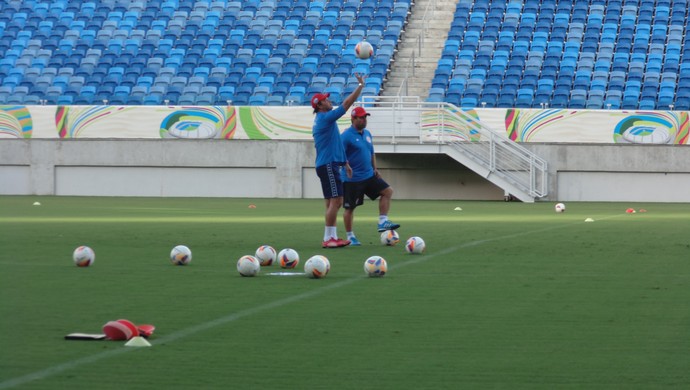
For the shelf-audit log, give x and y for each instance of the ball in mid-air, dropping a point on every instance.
(364, 50)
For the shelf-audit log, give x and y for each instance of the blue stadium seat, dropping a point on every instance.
(541, 47)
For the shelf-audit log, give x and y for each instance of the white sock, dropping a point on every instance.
(330, 232)
(350, 235)
(383, 218)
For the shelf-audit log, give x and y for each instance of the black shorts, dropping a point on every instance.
(355, 191)
(331, 183)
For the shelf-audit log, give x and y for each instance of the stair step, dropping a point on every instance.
(425, 61)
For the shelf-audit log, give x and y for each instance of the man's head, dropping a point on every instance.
(359, 118)
(320, 102)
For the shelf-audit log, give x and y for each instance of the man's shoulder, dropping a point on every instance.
(328, 117)
(349, 133)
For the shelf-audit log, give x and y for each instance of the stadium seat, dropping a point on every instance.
(521, 52)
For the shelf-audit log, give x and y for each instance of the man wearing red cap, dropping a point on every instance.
(365, 179)
(330, 157)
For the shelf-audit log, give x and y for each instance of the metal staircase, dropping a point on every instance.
(408, 125)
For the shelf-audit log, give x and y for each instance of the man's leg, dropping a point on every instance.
(330, 236)
(385, 201)
(332, 207)
(348, 216)
(384, 207)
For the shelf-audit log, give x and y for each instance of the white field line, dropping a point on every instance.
(45, 373)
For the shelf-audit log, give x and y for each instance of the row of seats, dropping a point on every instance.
(590, 54)
(169, 7)
(254, 52)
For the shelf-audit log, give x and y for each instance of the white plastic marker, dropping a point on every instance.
(50, 371)
(137, 341)
(286, 273)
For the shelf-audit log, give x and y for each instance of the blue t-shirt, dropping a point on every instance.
(326, 135)
(359, 150)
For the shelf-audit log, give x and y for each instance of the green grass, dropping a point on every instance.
(507, 295)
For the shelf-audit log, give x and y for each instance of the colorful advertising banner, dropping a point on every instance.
(234, 122)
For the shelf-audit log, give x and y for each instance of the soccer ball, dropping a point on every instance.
(560, 207)
(364, 50)
(83, 256)
(248, 266)
(390, 237)
(317, 267)
(288, 258)
(375, 266)
(415, 245)
(180, 255)
(266, 255)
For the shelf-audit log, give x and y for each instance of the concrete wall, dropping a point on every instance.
(238, 168)
(285, 169)
(617, 172)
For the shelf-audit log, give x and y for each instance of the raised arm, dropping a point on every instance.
(350, 100)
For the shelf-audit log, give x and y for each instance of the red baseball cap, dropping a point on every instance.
(319, 97)
(359, 112)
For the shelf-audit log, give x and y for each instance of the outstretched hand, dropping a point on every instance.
(360, 78)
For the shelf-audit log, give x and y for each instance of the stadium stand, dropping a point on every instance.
(629, 54)
(191, 52)
(576, 54)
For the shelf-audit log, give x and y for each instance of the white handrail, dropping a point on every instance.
(408, 119)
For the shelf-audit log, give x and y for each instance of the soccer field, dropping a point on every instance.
(507, 295)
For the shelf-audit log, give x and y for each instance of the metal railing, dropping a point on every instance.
(409, 120)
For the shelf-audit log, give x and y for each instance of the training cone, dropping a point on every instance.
(630, 211)
(37, 203)
(589, 220)
(458, 209)
(137, 341)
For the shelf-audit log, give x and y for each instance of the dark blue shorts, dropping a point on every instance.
(331, 183)
(355, 191)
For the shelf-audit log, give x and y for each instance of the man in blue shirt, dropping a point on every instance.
(365, 178)
(330, 157)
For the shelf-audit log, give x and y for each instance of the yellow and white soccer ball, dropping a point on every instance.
(415, 245)
(83, 256)
(248, 266)
(390, 237)
(317, 267)
(266, 255)
(180, 255)
(375, 266)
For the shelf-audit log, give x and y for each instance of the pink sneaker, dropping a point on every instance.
(342, 243)
(331, 243)
(335, 243)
